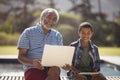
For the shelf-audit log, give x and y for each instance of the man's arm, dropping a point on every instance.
(22, 58)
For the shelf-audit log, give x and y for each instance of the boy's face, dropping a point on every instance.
(85, 34)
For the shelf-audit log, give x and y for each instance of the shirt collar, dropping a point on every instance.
(90, 42)
(39, 27)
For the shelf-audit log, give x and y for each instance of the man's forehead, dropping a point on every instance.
(51, 13)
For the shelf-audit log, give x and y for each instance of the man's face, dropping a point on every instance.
(85, 34)
(49, 20)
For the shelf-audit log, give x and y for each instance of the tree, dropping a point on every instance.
(20, 13)
(52, 4)
(118, 18)
(83, 8)
(4, 10)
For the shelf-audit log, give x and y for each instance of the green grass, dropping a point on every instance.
(109, 51)
(8, 50)
(104, 51)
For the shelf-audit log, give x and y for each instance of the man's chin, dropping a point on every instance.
(48, 28)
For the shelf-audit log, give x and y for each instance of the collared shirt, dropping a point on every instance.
(93, 52)
(34, 39)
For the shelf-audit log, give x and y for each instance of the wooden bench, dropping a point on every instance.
(11, 78)
(62, 78)
(108, 78)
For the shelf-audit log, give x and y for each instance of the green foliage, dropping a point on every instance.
(8, 39)
(36, 14)
(106, 33)
(118, 18)
(23, 22)
(68, 33)
(8, 25)
(70, 16)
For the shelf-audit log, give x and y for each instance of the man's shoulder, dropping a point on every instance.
(31, 28)
(55, 32)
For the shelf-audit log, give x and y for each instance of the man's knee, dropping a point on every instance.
(54, 71)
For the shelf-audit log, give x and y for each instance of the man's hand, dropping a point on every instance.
(37, 64)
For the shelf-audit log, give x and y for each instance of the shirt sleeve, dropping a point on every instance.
(24, 40)
(97, 60)
(60, 39)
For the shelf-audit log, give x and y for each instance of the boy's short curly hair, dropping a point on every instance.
(85, 25)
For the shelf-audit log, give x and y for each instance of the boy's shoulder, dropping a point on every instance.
(93, 45)
(75, 43)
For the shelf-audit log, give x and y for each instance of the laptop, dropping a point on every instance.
(54, 55)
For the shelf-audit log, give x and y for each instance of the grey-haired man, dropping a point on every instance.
(31, 45)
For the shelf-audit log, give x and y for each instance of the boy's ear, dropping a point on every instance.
(92, 33)
(78, 32)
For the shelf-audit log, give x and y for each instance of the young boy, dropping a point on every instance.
(86, 56)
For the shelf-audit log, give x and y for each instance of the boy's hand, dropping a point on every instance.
(66, 67)
(74, 70)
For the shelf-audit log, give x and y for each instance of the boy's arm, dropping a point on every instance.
(97, 61)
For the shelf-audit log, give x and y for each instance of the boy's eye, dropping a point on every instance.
(86, 33)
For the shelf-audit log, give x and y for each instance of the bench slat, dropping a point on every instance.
(2, 78)
(11, 78)
(62, 78)
(108, 78)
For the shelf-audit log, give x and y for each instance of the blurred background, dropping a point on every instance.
(104, 15)
(16, 15)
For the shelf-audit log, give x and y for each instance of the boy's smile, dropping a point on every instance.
(85, 34)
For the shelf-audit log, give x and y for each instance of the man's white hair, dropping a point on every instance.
(47, 11)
